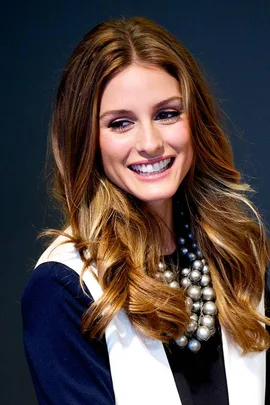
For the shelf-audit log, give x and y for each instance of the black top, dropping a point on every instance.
(67, 369)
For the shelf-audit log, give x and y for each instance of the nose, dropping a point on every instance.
(149, 141)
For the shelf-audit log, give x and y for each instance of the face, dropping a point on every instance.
(145, 140)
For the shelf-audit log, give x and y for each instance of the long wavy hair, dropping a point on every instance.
(123, 237)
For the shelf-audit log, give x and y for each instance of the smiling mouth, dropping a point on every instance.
(150, 169)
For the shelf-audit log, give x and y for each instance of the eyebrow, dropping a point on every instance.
(122, 111)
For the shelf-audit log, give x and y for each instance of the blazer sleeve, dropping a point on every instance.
(66, 368)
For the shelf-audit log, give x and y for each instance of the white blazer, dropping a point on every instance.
(140, 370)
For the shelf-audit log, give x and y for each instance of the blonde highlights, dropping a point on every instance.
(124, 238)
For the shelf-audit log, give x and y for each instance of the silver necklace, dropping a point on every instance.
(195, 278)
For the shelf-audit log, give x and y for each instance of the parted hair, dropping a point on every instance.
(123, 237)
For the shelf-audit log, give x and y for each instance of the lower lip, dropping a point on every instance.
(153, 177)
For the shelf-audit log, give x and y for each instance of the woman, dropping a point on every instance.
(153, 292)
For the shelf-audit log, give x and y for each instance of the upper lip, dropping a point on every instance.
(151, 162)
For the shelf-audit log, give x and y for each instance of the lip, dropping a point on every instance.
(151, 161)
(153, 177)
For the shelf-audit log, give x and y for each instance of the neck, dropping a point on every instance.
(165, 212)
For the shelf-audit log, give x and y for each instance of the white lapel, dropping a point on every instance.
(246, 375)
(139, 366)
(136, 361)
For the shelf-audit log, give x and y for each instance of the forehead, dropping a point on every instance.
(139, 84)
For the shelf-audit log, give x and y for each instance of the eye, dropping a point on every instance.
(168, 115)
(120, 126)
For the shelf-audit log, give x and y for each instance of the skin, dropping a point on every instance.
(145, 133)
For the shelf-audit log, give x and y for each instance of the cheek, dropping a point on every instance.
(181, 140)
(179, 134)
(112, 150)
(184, 146)
(107, 147)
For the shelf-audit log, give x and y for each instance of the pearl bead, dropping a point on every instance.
(205, 280)
(181, 241)
(191, 256)
(182, 341)
(208, 321)
(205, 269)
(194, 345)
(196, 306)
(184, 251)
(194, 245)
(186, 226)
(203, 333)
(208, 293)
(189, 304)
(194, 317)
(195, 275)
(185, 272)
(194, 292)
(159, 276)
(168, 276)
(192, 326)
(197, 265)
(203, 261)
(161, 266)
(210, 308)
(174, 284)
(190, 235)
(185, 282)
(199, 253)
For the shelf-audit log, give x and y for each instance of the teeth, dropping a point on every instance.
(155, 168)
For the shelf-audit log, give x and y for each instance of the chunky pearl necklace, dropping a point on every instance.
(200, 300)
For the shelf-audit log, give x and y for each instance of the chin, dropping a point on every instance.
(159, 198)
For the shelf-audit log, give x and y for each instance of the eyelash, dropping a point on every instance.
(117, 126)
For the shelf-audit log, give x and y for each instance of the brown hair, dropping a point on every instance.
(124, 238)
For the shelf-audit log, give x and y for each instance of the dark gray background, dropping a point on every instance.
(230, 39)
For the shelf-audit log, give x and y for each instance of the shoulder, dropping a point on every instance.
(55, 282)
(55, 276)
(53, 287)
(58, 268)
